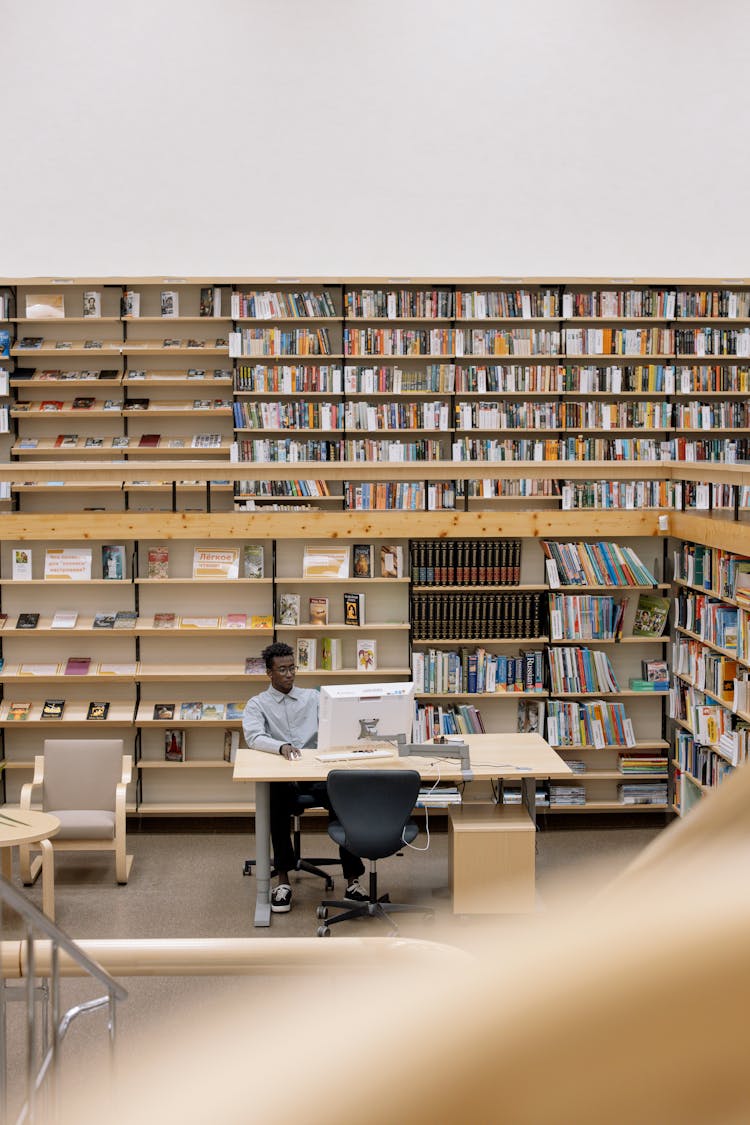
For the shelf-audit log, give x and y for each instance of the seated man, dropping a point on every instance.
(282, 720)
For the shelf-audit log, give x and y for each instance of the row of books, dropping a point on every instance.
(450, 341)
(458, 671)
(194, 710)
(653, 764)
(294, 415)
(311, 488)
(596, 723)
(53, 709)
(77, 562)
(124, 441)
(594, 564)
(129, 619)
(366, 497)
(477, 616)
(581, 670)
(325, 653)
(265, 304)
(645, 793)
(713, 621)
(586, 617)
(648, 414)
(279, 342)
(465, 562)
(433, 720)
(704, 763)
(630, 495)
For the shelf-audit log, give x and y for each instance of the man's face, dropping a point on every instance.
(281, 673)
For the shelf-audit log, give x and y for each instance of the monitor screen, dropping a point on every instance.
(352, 712)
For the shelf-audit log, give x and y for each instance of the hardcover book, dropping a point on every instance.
(318, 611)
(289, 609)
(330, 654)
(170, 302)
(164, 711)
(252, 560)
(362, 560)
(98, 710)
(52, 709)
(174, 745)
(149, 440)
(113, 561)
(27, 621)
(354, 609)
(157, 562)
(92, 303)
(231, 744)
(77, 666)
(306, 654)
(391, 561)
(367, 655)
(68, 562)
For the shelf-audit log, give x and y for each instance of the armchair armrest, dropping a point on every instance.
(27, 790)
(127, 769)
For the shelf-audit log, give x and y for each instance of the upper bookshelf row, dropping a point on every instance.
(376, 299)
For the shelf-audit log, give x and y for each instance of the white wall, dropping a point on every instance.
(405, 137)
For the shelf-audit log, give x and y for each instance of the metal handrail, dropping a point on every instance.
(48, 1068)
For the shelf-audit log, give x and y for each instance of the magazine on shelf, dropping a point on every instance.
(113, 561)
(234, 710)
(27, 621)
(213, 711)
(191, 710)
(52, 709)
(18, 712)
(157, 562)
(163, 711)
(103, 621)
(255, 666)
(125, 619)
(651, 615)
(165, 621)
(77, 666)
(354, 609)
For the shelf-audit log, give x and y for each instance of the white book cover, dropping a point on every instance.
(213, 562)
(92, 303)
(289, 609)
(170, 303)
(68, 562)
(306, 654)
(64, 619)
(21, 564)
(367, 655)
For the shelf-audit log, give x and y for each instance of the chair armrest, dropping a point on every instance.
(127, 769)
(27, 790)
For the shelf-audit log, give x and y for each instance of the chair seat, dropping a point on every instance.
(88, 824)
(410, 832)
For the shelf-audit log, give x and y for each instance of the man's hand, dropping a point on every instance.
(290, 752)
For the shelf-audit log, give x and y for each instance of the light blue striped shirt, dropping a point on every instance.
(273, 718)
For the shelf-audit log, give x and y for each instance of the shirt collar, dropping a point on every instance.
(279, 695)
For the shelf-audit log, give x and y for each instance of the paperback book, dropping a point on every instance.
(157, 562)
(64, 619)
(97, 711)
(21, 564)
(77, 666)
(318, 611)
(330, 654)
(306, 654)
(113, 561)
(103, 621)
(367, 655)
(289, 605)
(354, 609)
(53, 709)
(164, 711)
(391, 561)
(27, 621)
(252, 560)
(650, 616)
(362, 560)
(125, 619)
(192, 710)
(18, 712)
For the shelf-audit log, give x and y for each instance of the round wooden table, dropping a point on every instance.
(27, 826)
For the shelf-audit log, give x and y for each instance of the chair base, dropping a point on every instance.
(381, 907)
(309, 866)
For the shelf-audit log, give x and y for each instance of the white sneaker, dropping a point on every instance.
(355, 892)
(281, 899)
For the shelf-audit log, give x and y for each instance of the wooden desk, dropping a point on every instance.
(27, 826)
(521, 757)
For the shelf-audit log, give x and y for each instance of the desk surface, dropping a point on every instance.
(25, 826)
(492, 755)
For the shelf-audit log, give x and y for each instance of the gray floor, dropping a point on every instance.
(188, 882)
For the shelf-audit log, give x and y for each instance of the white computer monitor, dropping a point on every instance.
(351, 713)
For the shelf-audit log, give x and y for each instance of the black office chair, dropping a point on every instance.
(372, 810)
(313, 865)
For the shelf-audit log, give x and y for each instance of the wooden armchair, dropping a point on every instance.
(83, 782)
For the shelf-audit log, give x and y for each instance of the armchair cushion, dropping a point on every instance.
(85, 824)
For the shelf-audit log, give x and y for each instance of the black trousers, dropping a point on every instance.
(283, 807)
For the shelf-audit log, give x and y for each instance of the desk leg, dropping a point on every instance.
(262, 853)
(6, 864)
(528, 797)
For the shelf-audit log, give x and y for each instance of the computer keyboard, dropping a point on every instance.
(353, 755)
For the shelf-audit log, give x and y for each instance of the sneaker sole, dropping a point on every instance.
(281, 909)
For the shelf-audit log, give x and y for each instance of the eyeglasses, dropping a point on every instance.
(286, 669)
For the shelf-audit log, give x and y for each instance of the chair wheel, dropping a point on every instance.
(247, 868)
(322, 913)
(324, 931)
(329, 884)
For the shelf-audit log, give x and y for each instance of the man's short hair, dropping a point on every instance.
(278, 648)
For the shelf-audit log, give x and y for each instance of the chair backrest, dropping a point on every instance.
(81, 773)
(373, 807)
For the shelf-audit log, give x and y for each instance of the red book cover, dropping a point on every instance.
(77, 666)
